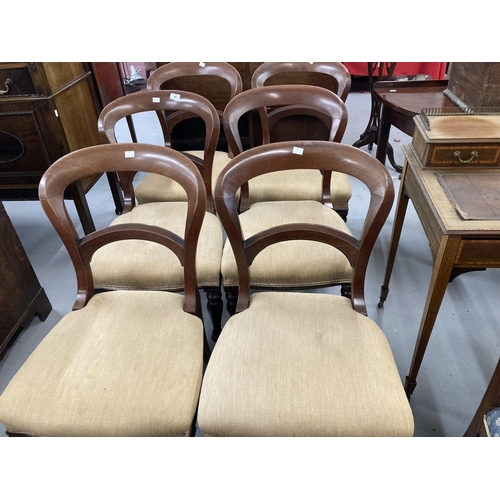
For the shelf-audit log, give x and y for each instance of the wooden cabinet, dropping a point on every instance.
(46, 111)
(21, 296)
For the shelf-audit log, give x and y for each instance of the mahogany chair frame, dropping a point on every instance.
(129, 158)
(125, 158)
(300, 100)
(336, 70)
(178, 101)
(170, 71)
(160, 101)
(330, 157)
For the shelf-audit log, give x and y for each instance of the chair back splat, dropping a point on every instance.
(162, 101)
(124, 158)
(293, 363)
(123, 362)
(335, 75)
(305, 155)
(300, 100)
(218, 82)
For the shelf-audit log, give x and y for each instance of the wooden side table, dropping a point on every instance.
(21, 296)
(457, 245)
(400, 102)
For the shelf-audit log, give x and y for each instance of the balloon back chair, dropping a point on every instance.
(297, 363)
(123, 265)
(285, 124)
(275, 198)
(218, 82)
(122, 363)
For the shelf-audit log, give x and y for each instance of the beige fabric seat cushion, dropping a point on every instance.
(302, 364)
(299, 185)
(283, 264)
(154, 187)
(144, 265)
(128, 364)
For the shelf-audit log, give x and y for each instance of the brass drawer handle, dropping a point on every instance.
(474, 154)
(6, 83)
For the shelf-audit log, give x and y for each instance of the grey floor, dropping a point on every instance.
(464, 347)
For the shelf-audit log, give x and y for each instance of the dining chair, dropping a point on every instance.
(121, 363)
(273, 199)
(218, 82)
(123, 265)
(300, 100)
(295, 363)
(285, 124)
(486, 420)
(331, 75)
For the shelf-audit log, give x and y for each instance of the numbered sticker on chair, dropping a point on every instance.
(202, 64)
(129, 154)
(156, 99)
(297, 151)
(175, 97)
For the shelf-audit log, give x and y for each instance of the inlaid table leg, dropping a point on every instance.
(399, 217)
(443, 266)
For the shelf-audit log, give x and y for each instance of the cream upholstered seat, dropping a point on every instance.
(199, 78)
(285, 124)
(282, 266)
(143, 265)
(122, 363)
(297, 363)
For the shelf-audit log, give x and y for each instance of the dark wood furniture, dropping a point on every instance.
(183, 105)
(490, 400)
(21, 295)
(400, 102)
(142, 352)
(301, 364)
(310, 192)
(49, 110)
(457, 245)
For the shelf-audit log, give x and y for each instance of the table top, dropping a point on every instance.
(411, 97)
(448, 217)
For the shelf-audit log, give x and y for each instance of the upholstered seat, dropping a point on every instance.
(114, 368)
(302, 364)
(287, 195)
(283, 265)
(124, 362)
(144, 265)
(300, 185)
(168, 76)
(291, 363)
(285, 124)
(153, 188)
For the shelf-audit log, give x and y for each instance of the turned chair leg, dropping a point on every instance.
(232, 299)
(215, 309)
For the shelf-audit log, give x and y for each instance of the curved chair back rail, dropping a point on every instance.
(299, 100)
(162, 101)
(305, 155)
(127, 158)
(336, 70)
(168, 72)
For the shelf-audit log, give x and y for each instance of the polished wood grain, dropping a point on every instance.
(457, 245)
(21, 295)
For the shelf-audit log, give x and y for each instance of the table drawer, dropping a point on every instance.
(15, 79)
(460, 155)
(478, 253)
